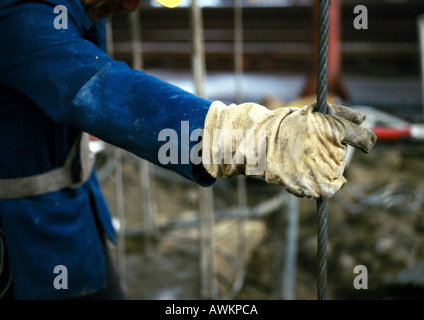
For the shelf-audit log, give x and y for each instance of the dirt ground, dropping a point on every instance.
(376, 220)
(386, 236)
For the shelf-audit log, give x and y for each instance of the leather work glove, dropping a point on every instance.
(297, 148)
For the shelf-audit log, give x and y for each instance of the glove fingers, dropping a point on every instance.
(343, 112)
(355, 135)
(314, 189)
(346, 113)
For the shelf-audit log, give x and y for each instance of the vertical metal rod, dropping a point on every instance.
(119, 193)
(198, 54)
(137, 51)
(148, 197)
(238, 50)
(288, 288)
(420, 22)
(146, 184)
(109, 39)
(321, 106)
(241, 180)
(209, 288)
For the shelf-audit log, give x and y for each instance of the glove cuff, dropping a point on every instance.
(235, 138)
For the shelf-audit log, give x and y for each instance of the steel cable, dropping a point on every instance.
(321, 106)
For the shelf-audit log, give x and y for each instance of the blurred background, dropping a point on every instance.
(242, 238)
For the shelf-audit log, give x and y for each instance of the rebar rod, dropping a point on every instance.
(209, 288)
(119, 193)
(148, 196)
(198, 51)
(321, 106)
(420, 23)
(238, 50)
(288, 287)
(136, 45)
(241, 180)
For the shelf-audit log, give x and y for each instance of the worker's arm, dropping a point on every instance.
(76, 83)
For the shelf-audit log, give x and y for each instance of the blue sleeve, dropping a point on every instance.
(76, 83)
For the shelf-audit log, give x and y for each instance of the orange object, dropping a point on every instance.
(414, 131)
(335, 85)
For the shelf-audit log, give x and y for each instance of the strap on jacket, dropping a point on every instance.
(72, 174)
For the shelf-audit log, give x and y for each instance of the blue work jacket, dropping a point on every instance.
(55, 83)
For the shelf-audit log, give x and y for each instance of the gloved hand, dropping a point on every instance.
(297, 148)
